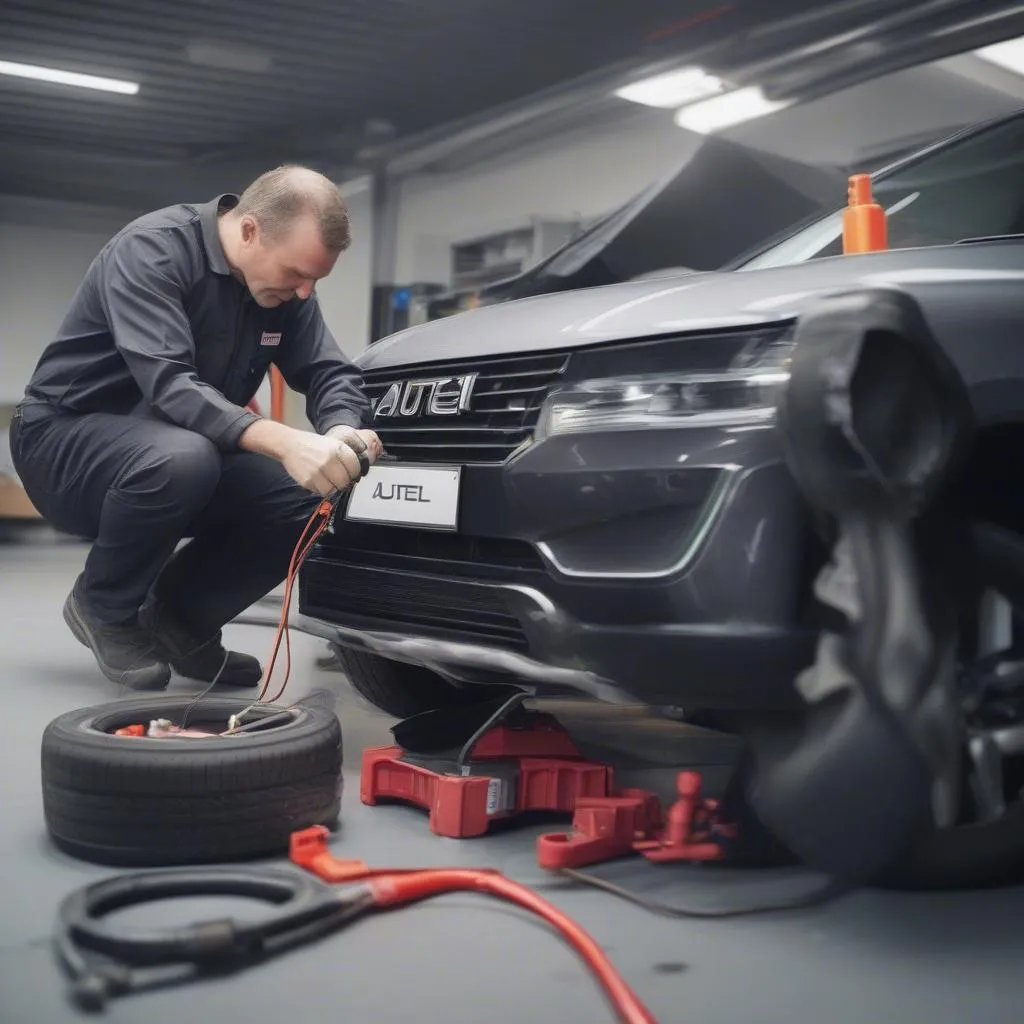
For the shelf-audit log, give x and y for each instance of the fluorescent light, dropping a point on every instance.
(1008, 55)
(726, 110)
(672, 89)
(67, 78)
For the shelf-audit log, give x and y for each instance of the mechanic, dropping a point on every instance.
(134, 432)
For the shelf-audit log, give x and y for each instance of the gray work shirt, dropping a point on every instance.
(160, 326)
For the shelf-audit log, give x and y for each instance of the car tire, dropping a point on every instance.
(965, 857)
(136, 801)
(968, 857)
(404, 690)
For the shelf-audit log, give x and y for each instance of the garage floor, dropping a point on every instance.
(871, 957)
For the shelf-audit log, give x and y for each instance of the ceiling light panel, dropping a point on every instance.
(1008, 55)
(72, 78)
(672, 89)
(729, 109)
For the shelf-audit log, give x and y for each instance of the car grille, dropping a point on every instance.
(504, 407)
(430, 551)
(440, 606)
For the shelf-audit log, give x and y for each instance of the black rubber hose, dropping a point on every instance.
(104, 961)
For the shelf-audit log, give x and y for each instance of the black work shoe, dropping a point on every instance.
(193, 657)
(126, 654)
(205, 664)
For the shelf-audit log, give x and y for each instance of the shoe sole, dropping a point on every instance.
(221, 685)
(228, 683)
(133, 679)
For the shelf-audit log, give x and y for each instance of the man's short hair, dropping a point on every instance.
(278, 197)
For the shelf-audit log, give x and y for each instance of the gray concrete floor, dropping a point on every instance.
(871, 957)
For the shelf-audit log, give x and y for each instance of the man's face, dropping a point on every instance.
(280, 269)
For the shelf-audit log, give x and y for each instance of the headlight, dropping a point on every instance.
(737, 396)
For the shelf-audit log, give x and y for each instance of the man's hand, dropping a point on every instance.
(374, 444)
(324, 465)
(359, 441)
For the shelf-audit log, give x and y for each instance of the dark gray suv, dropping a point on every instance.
(584, 491)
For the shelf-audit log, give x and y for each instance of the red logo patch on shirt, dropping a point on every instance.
(270, 339)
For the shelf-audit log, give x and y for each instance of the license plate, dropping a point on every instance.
(408, 496)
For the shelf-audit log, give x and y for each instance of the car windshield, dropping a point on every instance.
(971, 187)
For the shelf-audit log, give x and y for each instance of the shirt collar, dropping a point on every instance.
(208, 216)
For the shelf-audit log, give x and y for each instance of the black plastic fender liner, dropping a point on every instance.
(875, 418)
(874, 421)
(133, 801)
(874, 764)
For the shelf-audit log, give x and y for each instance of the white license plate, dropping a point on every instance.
(408, 496)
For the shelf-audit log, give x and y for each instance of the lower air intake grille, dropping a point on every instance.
(431, 552)
(499, 414)
(420, 605)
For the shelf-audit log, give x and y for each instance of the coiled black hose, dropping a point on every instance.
(103, 961)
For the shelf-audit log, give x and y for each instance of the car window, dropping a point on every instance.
(971, 188)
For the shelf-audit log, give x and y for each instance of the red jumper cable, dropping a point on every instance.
(397, 887)
(315, 526)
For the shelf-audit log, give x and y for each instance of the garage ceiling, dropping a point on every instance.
(228, 89)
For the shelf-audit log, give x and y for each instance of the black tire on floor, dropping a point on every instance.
(970, 857)
(135, 801)
(404, 690)
(967, 857)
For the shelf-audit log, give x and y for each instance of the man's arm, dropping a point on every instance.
(142, 290)
(312, 363)
(320, 464)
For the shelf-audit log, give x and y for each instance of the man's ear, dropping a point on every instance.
(249, 230)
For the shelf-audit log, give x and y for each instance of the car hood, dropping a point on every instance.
(720, 202)
(695, 302)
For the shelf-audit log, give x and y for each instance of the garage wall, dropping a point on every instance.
(580, 175)
(345, 296)
(45, 248)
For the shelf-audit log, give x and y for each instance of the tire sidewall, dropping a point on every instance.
(136, 801)
(966, 857)
(92, 727)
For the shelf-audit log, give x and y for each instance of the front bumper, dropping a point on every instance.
(665, 566)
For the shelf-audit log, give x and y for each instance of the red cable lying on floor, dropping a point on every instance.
(392, 888)
(104, 960)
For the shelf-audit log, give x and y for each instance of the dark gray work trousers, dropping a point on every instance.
(136, 487)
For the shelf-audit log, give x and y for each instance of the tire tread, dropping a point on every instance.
(117, 800)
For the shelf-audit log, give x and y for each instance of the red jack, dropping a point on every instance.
(604, 828)
(532, 765)
(512, 770)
